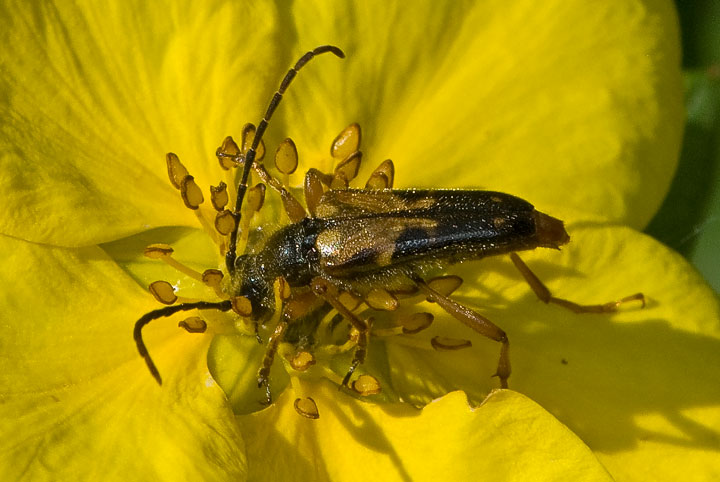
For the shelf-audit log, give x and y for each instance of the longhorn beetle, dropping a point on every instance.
(366, 244)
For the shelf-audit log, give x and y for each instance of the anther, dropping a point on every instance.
(242, 306)
(191, 193)
(350, 166)
(213, 278)
(248, 135)
(381, 299)
(443, 343)
(445, 285)
(286, 157)
(366, 385)
(307, 408)
(224, 222)
(313, 190)
(157, 251)
(302, 361)
(347, 142)
(228, 154)
(382, 177)
(163, 292)
(193, 324)
(416, 323)
(164, 252)
(176, 170)
(256, 197)
(219, 196)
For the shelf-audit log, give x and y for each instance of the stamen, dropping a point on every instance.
(242, 306)
(445, 285)
(347, 142)
(193, 324)
(339, 181)
(443, 343)
(313, 190)
(248, 135)
(228, 154)
(219, 196)
(381, 299)
(224, 222)
(164, 252)
(286, 157)
(213, 278)
(163, 292)
(307, 408)
(191, 193)
(416, 323)
(350, 166)
(366, 385)
(256, 197)
(176, 170)
(302, 361)
(382, 177)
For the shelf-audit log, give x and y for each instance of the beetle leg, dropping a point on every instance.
(544, 294)
(328, 292)
(264, 371)
(475, 321)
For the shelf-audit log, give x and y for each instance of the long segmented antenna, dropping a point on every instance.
(168, 311)
(250, 156)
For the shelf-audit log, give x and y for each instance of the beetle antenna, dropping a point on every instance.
(250, 155)
(168, 311)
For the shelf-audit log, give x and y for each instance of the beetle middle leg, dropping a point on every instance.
(328, 292)
(544, 294)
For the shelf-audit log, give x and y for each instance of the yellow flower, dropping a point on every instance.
(575, 108)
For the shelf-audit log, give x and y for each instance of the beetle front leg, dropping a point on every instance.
(473, 320)
(544, 294)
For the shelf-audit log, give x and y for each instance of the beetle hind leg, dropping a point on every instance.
(476, 322)
(545, 296)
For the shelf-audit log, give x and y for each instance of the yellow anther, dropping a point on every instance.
(339, 181)
(382, 177)
(228, 154)
(191, 193)
(176, 170)
(292, 206)
(242, 306)
(307, 408)
(347, 142)
(444, 343)
(212, 277)
(194, 324)
(224, 222)
(157, 251)
(313, 190)
(219, 196)
(286, 157)
(256, 197)
(381, 299)
(366, 385)
(416, 323)
(445, 285)
(163, 292)
(350, 166)
(282, 288)
(248, 134)
(302, 361)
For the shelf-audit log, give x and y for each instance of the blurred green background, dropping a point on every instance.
(689, 220)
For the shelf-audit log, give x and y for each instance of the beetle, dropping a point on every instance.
(366, 243)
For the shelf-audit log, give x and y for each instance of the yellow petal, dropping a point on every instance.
(96, 95)
(636, 386)
(576, 108)
(507, 438)
(78, 402)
